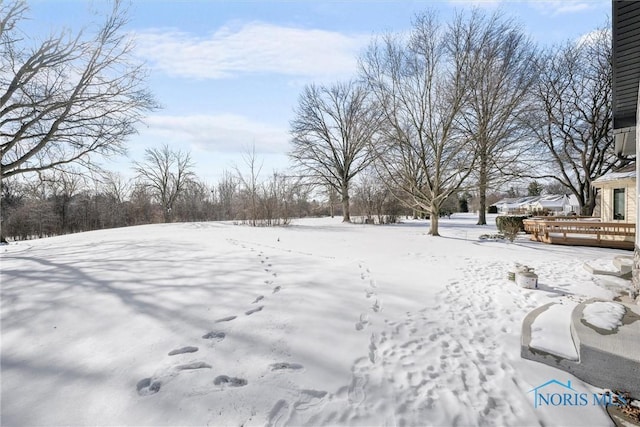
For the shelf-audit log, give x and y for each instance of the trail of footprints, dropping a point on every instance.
(370, 293)
(420, 361)
(308, 408)
(152, 385)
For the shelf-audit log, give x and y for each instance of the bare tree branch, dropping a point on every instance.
(67, 97)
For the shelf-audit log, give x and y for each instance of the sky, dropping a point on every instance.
(228, 74)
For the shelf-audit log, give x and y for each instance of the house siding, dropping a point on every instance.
(606, 209)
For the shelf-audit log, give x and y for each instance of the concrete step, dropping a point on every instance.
(620, 266)
(606, 358)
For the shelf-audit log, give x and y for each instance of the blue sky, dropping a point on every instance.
(228, 73)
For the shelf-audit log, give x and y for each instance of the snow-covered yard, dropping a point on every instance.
(318, 323)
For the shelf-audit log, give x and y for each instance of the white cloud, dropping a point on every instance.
(252, 48)
(559, 7)
(595, 36)
(225, 133)
(476, 3)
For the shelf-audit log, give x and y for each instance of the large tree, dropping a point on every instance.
(572, 121)
(66, 96)
(419, 85)
(331, 133)
(166, 173)
(499, 75)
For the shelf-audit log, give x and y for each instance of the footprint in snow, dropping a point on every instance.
(193, 365)
(214, 336)
(277, 289)
(285, 366)
(254, 310)
(147, 387)
(364, 321)
(226, 319)
(225, 380)
(259, 298)
(183, 350)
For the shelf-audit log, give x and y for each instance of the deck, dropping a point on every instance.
(581, 232)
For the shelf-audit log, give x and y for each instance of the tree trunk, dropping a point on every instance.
(434, 218)
(346, 217)
(2, 238)
(590, 202)
(482, 188)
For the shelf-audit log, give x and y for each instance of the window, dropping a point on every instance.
(618, 203)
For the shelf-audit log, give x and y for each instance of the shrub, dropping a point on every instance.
(510, 221)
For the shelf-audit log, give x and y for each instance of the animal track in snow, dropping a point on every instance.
(259, 298)
(253, 310)
(225, 380)
(214, 336)
(277, 289)
(147, 387)
(377, 306)
(183, 350)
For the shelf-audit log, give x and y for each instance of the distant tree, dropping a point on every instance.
(227, 191)
(331, 132)
(166, 173)
(572, 121)
(463, 202)
(534, 188)
(65, 97)
(513, 192)
(418, 83)
(250, 181)
(555, 187)
(499, 75)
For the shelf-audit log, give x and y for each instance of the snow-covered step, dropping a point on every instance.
(624, 263)
(619, 266)
(602, 347)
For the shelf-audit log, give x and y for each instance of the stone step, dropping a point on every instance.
(606, 358)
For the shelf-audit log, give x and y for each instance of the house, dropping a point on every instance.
(554, 204)
(618, 195)
(625, 85)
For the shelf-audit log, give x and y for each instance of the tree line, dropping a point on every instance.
(463, 106)
(449, 113)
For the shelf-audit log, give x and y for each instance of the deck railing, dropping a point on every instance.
(583, 232)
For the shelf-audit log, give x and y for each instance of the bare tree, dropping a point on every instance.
(418, 84)
(499, 75)
(572, 120)
(250, 181)
(227, 192)
(331, 133)
(166, 173)
(65, 97)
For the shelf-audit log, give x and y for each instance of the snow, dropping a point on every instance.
(318, 323)
(615, 176)
(551, 332)
(604, 315)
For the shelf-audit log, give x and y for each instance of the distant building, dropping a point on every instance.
(550, 204)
